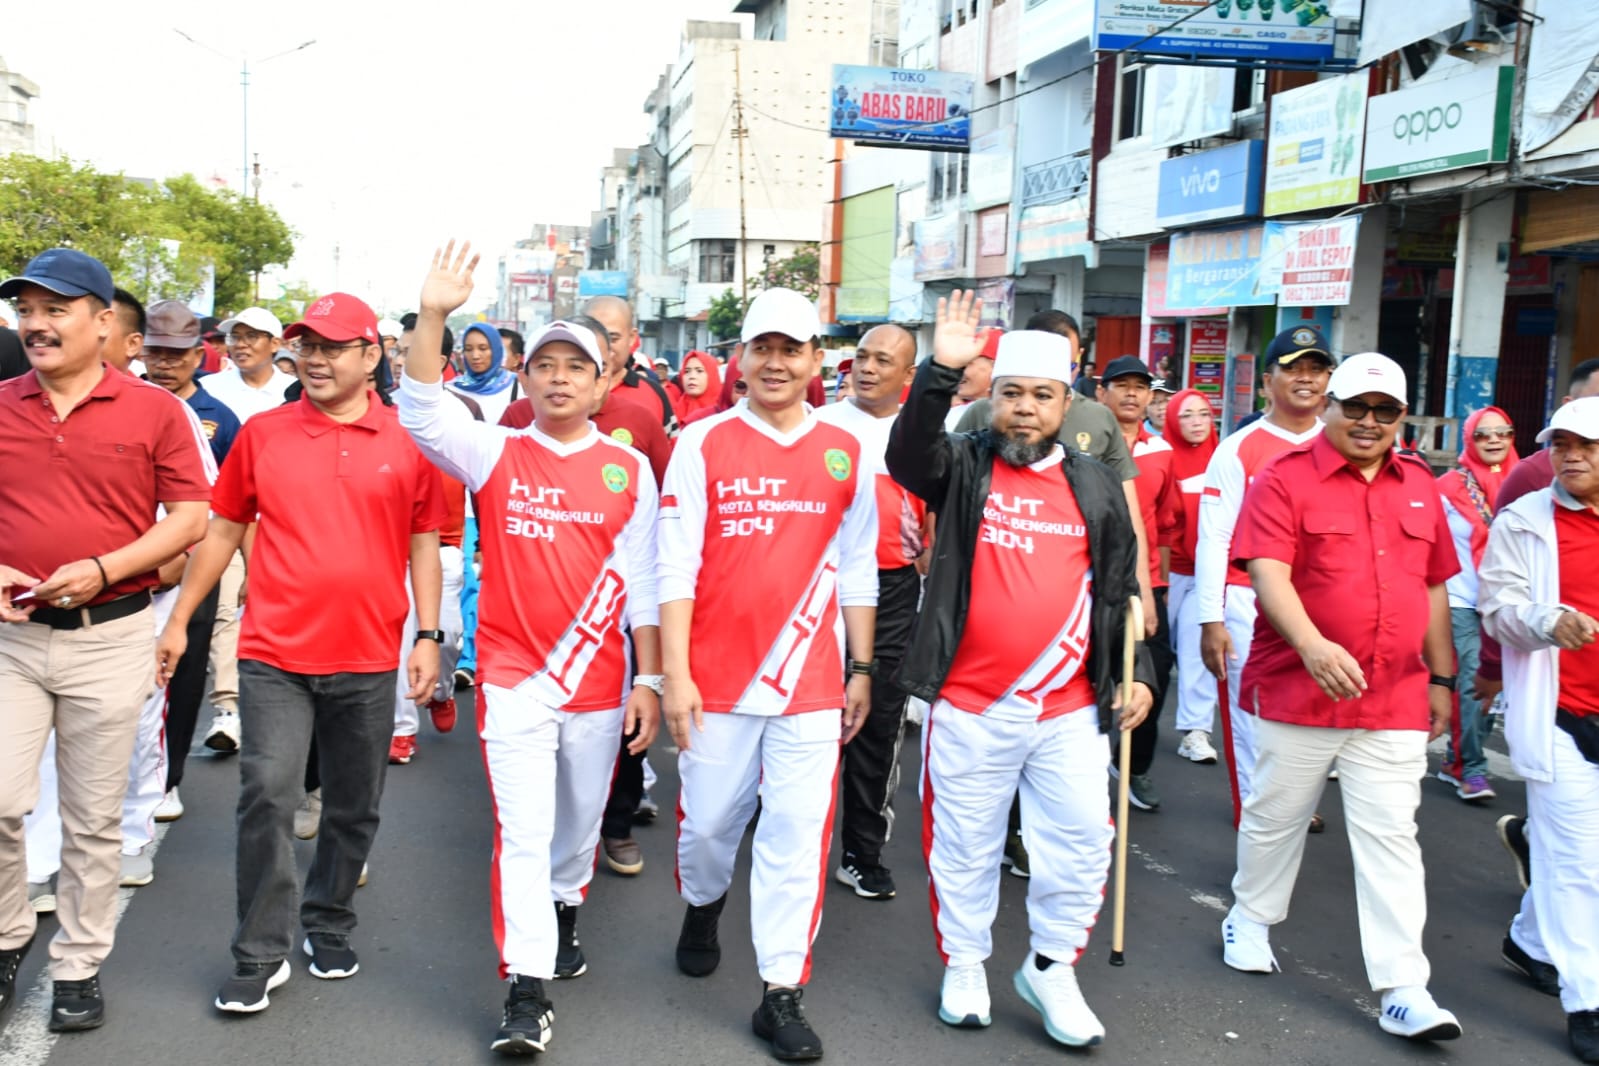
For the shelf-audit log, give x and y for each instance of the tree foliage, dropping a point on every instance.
(800, 271)
(725, 315)
(157, 238)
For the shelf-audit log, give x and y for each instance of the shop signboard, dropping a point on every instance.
(1208, 186)
(602, 283)
(1054, 231)
(1207, 360)
(1319, 264)
(895, 108)
(1243, 386)
(1463, 121)
(1215, 268)
(999, 302)
(1157, 263)
(1227, 29)
(1314, 145)
(938, 247)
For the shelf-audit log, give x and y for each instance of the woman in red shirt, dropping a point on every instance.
(1190, 429)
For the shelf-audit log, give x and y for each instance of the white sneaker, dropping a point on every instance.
(42, 896)
(138, 869)
(1054, 994)
(1246, 944)
(1410, 1012)
(1196, 747)
(224, 734)
(360, 882)
(170, 809)
(308, 815)
(963, 1001)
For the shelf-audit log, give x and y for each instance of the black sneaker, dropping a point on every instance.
(1016, 856)
(870, 880)
(464, 678)
(77, 1005)
(10, 963)
(1513, 835)
(1543, 975)
(698, 952)
(569, 961)
(529, 1016)
(1582, 1029)
(781, 1019)
(246, 991)
(331, 956)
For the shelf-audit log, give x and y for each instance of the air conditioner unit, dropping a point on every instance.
(1491, 29)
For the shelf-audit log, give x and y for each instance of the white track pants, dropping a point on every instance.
(793, 761)
(147, 779)
(407, 716)
(1196, 688)
(971, 767)
(549, 776)
(1379, 776)
(1240, 615)
(1559, 919)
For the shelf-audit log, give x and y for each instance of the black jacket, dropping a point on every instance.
(951, 472)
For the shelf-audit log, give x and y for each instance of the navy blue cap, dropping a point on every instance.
(66, 272)
(1123, 366)
(1297, 341)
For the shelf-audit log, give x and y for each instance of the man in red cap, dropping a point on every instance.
(319, 646)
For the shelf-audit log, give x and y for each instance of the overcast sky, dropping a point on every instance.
(404, 123)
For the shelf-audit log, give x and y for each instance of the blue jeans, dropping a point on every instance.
(469, 546)
(1473, 725)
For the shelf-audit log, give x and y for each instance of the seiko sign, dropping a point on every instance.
(1207, 186)
(1462, 121)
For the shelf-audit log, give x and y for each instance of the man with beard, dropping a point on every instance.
(1016, 707)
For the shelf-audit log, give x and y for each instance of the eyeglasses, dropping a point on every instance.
(326, 351)
(1385, 413)
(1497, 433)
(253, 336)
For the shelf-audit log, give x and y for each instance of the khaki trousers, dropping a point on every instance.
(89, 686)
(225, 638)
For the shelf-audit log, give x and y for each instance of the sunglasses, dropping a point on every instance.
(1385, 413)
(1497, 433)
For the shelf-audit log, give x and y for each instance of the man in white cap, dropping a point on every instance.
(1016, 707)
(768, 558)
(1348, 550)
(252, 385)
(576, 507)
(1544, 614)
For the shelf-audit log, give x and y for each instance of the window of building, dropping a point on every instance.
(1129, 99)
(768, 251)
(718, 261)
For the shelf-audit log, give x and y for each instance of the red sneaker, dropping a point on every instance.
(401, 749)
(443, 712)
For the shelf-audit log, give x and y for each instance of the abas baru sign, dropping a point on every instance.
(896, 108)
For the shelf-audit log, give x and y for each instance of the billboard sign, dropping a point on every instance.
(1315, 143)
(1207, 186)
(895, 108)
(1215, 268)
(1219, 29)
(1462, 121)
(602, 283)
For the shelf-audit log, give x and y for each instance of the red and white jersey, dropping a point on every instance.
(1153, 456)
(1231, 471)
(568, 535)
(1032, 537)
(899, 514)
(769, 534)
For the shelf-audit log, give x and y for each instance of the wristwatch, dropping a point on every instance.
(1442, 681)
(866, 669)
(656, 683)
(435, 635)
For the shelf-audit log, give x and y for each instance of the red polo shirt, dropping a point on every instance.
(1363, 555)
(630, 423)
(1577, 534)
(89, 484)
(338, 503)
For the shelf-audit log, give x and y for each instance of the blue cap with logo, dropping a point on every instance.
(66, 272)
(1295, 342)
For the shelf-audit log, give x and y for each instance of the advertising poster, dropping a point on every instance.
(1319, 264)
(1228, 29)
(1315, 143)
(895, 108)
(1215, 268)
(1207, 360)
(1243, 387)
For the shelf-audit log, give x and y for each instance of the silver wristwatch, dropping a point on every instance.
(656, 683)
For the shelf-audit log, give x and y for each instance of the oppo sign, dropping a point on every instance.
(1462, 121)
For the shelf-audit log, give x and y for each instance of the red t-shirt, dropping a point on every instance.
(1153, 457)
(1577, 533)
(641, 394)
(337, 505)
(1364, 555)
(1032, 538)
(627, 423)
(89, 484)
(899, 513)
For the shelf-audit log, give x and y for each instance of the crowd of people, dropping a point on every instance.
(787, 586)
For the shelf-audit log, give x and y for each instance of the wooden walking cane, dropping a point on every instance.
(1124, 765)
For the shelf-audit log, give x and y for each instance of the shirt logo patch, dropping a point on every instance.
(210, 429)
(622, 434)
(384, 469)
(1083, 441)
(838, 464)
(615, 477)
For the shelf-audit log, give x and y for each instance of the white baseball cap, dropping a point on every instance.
(1034, 353)
(1579, 416)
(388, 327)
(1368, 372)
(781, 311)
(571, 334)
(257, 318)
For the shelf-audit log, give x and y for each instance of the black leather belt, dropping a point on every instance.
(100, 614)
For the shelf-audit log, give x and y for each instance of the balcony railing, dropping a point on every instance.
(1055, 180)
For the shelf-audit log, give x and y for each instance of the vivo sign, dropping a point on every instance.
(1207, 186)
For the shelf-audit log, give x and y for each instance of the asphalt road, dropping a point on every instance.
(427, 991)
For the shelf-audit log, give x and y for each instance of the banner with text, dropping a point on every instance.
(896, 108)
(1314, 146)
